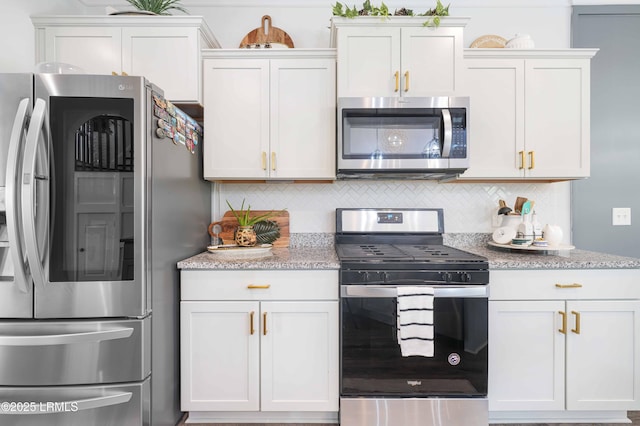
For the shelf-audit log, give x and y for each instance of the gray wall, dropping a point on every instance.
(615, 130)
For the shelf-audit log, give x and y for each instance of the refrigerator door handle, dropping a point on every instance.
(75, 405)
(13, 231)
(28, 190)
(65, 339)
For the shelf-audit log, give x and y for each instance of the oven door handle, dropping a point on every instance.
(362, 291)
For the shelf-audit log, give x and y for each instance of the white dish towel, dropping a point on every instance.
(415, 321)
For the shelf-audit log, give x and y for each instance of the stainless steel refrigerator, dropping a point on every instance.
(100, 195)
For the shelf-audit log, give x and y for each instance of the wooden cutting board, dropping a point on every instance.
(266, 34)
(229, 223)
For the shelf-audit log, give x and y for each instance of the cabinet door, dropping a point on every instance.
(168, 57)
(299, 356)
(526, 360)
(236, 141)
(97, 50)
(368, 62)
(431, 60)
(557, 112)
(219, 356)
(603, 355)
(303, 117)
(496, 120)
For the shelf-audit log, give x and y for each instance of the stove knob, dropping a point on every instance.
(384, 277)
(364, 276)
(466, 277)
(446, 276)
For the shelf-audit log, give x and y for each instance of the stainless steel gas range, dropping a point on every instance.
(387, 252)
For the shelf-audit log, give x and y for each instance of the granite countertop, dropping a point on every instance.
(308, 251)
(316, 251)
(505, 258)
(279, 258)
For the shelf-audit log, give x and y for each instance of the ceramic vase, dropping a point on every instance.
(552, 234)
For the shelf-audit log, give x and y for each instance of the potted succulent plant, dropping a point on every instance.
(245, 234)
(158, 7)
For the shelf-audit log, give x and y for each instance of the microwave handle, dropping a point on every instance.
(448, 132)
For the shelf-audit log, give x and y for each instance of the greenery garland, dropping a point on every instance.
(369, 10)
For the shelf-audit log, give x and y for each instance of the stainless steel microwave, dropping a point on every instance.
(419, 138)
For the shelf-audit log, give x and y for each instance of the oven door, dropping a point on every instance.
(371, 361)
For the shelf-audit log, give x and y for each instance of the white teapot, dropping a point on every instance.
(552, 234)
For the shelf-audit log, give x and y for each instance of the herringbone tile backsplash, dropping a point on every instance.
(468, 207)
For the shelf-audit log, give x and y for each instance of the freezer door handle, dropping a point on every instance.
(29, 190)
(65, 339)
(75, 405)
(13, 233)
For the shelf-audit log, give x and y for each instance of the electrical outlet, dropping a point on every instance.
(621, 216)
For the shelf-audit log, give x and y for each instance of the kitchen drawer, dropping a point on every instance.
(124, 404)
(267, 285)
(48, 353)
(583, 284)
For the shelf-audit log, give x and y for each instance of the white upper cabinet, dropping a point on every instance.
(530, 113)
(270, 114)
(164, 49)
(398, 56)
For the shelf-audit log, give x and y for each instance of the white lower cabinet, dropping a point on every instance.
(262, 341)
(564, 345)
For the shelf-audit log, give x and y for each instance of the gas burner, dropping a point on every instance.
(380, 246)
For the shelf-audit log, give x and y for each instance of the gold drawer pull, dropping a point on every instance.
(521, 160)
(577, 329)
(397, 76)
(406, 81)
(255, 286)
(264, 323)
(273, 161)
(532, 160)
(563, 330)
(251, 315)
(574, 285)
(264, 160)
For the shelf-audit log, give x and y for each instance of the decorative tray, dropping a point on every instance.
(561, 247)
(235, 250)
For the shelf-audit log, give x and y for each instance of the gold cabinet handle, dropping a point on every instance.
(273, 161)
(563, 330)
(124, 73)
(574, 285)
(521, 160)
(264, 323)
(397, 75)
(256, 286)
(251, 329)
(406, 81)
(264, 160)
(532, 159)
(577, 327)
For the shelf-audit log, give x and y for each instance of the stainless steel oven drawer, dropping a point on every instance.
(111, 405)
(49, 353)
(414, 412)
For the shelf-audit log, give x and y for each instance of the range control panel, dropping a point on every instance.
(390, 217)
